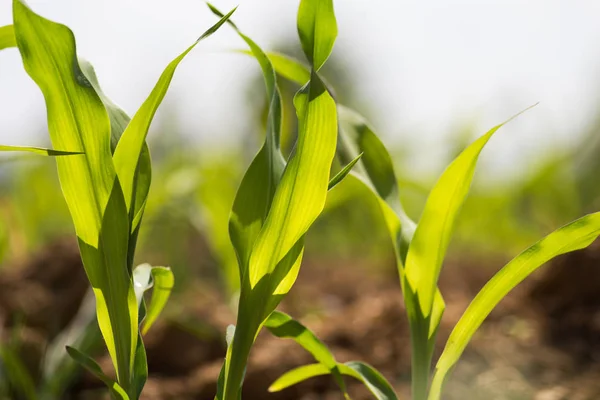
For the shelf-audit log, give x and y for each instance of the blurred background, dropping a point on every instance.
(430, 77)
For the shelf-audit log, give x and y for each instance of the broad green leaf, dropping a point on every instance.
(39, 150)
(92, 366)
(300, 196)
(343, 172)
(284, 326)
(77, 120)
(317, 28)
(119, 120)
(131, 144)
(7, 37)
(575, 236)
(434, 230)
(370, 377)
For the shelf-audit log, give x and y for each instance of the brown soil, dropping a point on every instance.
(541, 343)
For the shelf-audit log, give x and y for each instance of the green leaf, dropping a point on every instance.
(140, 368)
(373, 380)
(343, 172)
(298, 375)
(7, 37)
(58, 369)
(40, 150)
(161, 280)
(255, 193)
(434, 230)
(163, 285)
(131, 144)
(317, 28)
(577, 235)
(376, 171)
(92, 366)
(284, 326)
(77, 120)
(290, 68)
(300, 196)
(119, 120)
(270, 248)
(370, 377)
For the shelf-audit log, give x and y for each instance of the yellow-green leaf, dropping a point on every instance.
(39, 150)
(284, 326)
(131, 144)
(317, 28)
(574, 236)
(78, 121)
(7, 37)
(434, 230)
(379, 387)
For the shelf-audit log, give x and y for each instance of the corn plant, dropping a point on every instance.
(420, 250)
(279, 199)
(105, 172)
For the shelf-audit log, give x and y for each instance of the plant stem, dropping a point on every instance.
(421, 358)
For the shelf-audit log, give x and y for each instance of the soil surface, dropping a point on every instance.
(541, 343)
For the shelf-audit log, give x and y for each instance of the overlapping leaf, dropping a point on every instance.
(275, 207)
(131, 144)
(78, 121)
(284, 326)
(373, 380)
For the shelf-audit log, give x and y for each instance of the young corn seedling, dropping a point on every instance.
(420, 250)
(105, 172)
(279, 199)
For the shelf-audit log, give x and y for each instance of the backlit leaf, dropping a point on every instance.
(284, 326)
(434, 230)
(78, 121)
(574, 236)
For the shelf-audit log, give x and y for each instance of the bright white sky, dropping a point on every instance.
(425, 67)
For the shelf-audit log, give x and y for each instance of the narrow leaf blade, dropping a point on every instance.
(40, 150)
(435, 228)
(129, 149)
(92, 366)
(77, 120)
(343, 172)
(284, 326)
(574, 236)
